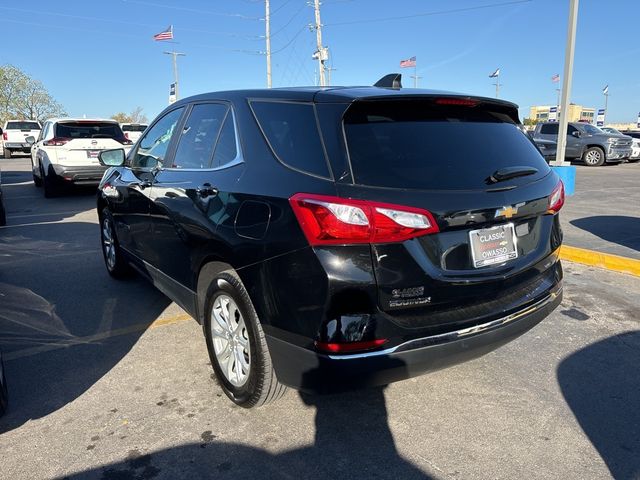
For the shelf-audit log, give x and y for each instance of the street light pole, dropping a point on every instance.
(267, 18)
(566, 84)
(175, 56)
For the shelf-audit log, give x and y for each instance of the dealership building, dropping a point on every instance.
(577, 113)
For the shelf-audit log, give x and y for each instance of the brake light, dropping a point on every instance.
(126, 135)
(351, 346)
(556, 199)
(124, 140)
(56, 142)
(464, 102)
(327, 220)
(4, 136)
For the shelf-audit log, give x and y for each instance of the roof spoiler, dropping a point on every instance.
(393, 80)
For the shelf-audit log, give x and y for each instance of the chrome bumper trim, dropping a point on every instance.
(457, 334)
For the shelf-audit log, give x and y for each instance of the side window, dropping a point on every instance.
(292, 133)
(153, 146)
(571, 129)
(549, 129)
(226, 148)
(195, 147)
(43, 131)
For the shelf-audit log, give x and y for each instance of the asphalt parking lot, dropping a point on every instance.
(110, 380)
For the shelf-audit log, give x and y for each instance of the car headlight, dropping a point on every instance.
(612, 140)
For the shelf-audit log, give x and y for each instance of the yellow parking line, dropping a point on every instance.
(615, 263)
(89, 339)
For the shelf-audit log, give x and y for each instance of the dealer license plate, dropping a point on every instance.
(92, 153)
(493, 245)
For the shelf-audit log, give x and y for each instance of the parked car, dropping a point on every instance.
(133, 130)
(586, 142)
(548, 148)
(14, 134)
(330, 239)
(4, 396)
(635, 145)
(3, 213)
(66, 152)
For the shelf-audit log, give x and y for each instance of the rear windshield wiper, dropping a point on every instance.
(508, 173)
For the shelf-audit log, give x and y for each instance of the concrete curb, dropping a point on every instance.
(602, 260)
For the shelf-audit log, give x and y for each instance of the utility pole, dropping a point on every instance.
(267, 35)
(497, 84)
(566, 83)
(321, 53)
(175, 56)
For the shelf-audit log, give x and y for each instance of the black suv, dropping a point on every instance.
(334, 238)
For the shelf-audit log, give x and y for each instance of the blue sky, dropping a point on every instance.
(98, 57)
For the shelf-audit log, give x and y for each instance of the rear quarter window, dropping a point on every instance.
(292, 132)
(419, 145)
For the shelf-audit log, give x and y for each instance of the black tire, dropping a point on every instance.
(261, 386)
(37, 180)
(4, 395)
(51, 190)
(118, 267)
(6, 153)
(593, 157)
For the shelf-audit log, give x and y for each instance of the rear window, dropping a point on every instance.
(292, 132)
(23, 126)
(549, 129)
(419, 145)
(133, 128)
(89, 130)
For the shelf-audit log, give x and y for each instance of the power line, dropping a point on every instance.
(289, 21)
(428, 14)
(191, 10)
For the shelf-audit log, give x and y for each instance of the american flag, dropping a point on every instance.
(408, 63)
(166, 34)
(495, 74)
(555, 78)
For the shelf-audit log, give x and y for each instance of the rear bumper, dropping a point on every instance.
(79, 175)
(308, 370)
(25, 147)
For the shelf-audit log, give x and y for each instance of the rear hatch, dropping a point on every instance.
(468, 163)
(78, 142)
(17, 131)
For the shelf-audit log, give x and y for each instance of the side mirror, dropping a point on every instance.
(576, 133)
(112, 158)
(30, 139)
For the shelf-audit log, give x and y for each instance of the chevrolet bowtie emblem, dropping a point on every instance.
(506, 212)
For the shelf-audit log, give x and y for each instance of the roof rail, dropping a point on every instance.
(393, 80)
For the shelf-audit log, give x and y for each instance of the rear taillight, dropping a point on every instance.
(124, 140)
(126, 135)
(56, 142)
(4, 136)
(327, 220)
(556, 199)
(350, 346)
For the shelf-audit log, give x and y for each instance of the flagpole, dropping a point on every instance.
(498, 84)
(606, 102)
(175, 68)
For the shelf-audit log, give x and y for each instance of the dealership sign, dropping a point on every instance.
(638, 124)
(553, 114)
(600, 118)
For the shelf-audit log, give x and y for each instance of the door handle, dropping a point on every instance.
(206, 190)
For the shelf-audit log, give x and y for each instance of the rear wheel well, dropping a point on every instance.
(209, 270)
(596, 146)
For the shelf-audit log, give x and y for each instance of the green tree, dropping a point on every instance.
(22, 97)
(136, 116)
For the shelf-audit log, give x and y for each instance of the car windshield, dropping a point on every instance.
(23, 126)
(424, 146)
(89, 130)
(590, 129)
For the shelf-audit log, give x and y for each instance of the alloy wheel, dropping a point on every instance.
(108, 244)
(230, 340)
(592, 157)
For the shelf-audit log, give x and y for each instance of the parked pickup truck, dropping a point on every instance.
(592, 145)
(14, 134)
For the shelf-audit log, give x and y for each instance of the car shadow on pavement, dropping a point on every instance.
(64, 323)
(352, 440)
(618, 229)
(601, 384)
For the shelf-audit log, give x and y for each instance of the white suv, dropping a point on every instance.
(133, 131)
(66, 152)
